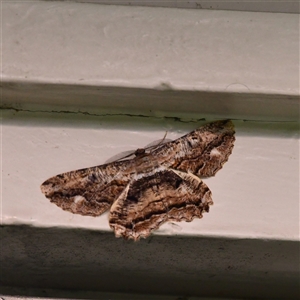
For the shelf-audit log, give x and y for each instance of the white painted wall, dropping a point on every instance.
(280, 6)
(85, 44)
(83, 82)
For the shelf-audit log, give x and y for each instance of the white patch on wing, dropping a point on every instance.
(215, 152)
(78, 199)
(155, 170)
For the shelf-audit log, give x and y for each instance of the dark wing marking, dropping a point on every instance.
(151, 200)
(201, 152)
(89, 191)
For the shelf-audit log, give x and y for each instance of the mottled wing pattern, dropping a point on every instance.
(152, 188)
(151, 200)
(90, 191)
(202, 151)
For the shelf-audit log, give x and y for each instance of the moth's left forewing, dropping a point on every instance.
(218, 140)
(202, 152)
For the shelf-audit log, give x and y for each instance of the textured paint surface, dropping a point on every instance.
(150, 47)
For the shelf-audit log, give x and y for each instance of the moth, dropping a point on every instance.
(154, 187)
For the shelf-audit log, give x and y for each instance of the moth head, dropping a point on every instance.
(139, 152)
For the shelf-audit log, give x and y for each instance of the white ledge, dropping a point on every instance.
(62, 42)
(150, 61)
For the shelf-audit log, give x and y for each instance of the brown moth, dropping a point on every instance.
(152, 188)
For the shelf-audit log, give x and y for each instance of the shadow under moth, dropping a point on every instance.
(154, 187)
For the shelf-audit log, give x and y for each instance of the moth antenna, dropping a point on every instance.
(159, 144)
(128, 155)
